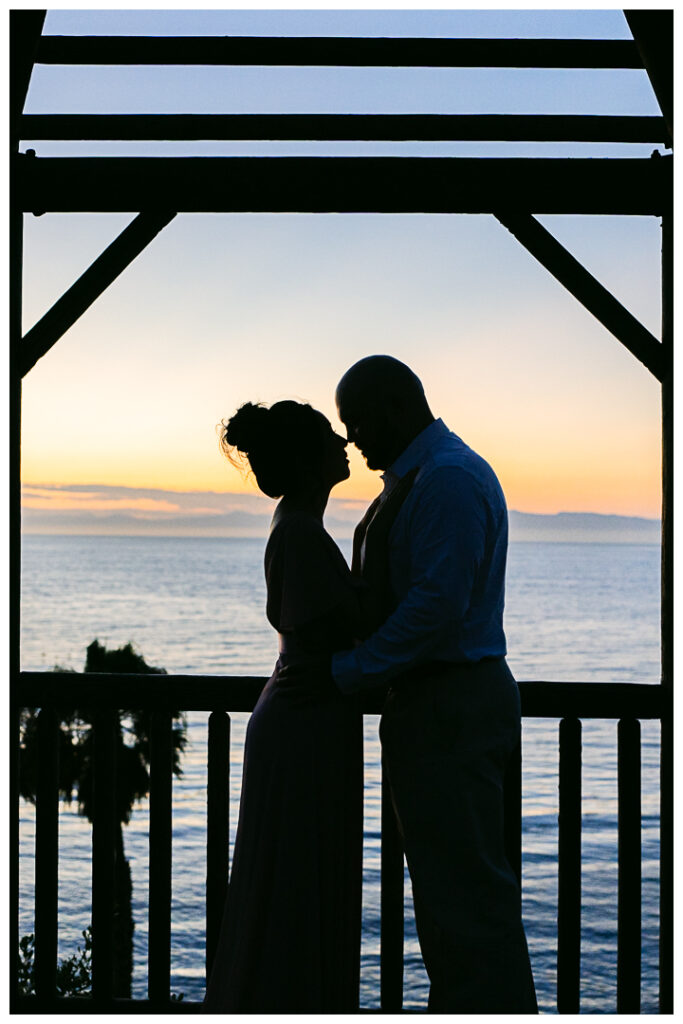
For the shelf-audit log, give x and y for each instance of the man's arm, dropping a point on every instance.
(446, 545)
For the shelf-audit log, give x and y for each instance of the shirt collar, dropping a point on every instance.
(416, 452)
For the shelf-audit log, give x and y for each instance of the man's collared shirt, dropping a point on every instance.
(447, 553)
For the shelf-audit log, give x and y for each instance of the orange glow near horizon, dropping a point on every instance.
(540, 486)
(84, 501)
(226, 309)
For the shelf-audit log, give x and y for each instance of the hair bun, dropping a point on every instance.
(247, 429)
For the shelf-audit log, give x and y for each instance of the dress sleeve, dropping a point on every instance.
(306, 575)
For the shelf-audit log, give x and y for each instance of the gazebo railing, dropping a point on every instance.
(104, 693)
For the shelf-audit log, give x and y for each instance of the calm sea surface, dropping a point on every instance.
(575, 612)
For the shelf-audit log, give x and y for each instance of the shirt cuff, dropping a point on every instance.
(346, 671)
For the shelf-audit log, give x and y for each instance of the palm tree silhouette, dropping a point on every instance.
(132, 778)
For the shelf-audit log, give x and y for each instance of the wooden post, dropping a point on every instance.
(666, 783)
(16, 233)
(47, 855)
(103, 855)
(391, 908)
(217, 829)
(569, 869)
(630, 871)
(160, 838)
(25, 28)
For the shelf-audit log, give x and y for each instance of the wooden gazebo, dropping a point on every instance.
(511, 189)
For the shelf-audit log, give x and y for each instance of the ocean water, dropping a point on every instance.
(575, 612)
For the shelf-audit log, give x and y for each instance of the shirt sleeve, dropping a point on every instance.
(447, 539)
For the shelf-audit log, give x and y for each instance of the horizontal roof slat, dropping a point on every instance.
(346, 127)
(342, 52)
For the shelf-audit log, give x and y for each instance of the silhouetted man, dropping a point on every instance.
(438, 536)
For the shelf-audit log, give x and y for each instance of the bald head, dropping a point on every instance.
(383, 406)
(381, 377)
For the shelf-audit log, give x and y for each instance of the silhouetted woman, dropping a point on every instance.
(291, 930)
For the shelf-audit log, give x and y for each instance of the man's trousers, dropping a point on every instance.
(447, 734)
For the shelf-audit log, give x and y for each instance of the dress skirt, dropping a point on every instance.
(290, 937)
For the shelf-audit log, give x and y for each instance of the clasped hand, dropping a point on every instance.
(307, 683)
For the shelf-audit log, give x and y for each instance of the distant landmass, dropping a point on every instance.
(131, 511)
(584, 527)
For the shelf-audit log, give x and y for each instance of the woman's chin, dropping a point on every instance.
(343, 474)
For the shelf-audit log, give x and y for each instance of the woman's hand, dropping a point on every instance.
(307, 683)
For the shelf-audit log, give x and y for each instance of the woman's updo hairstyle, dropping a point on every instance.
(278, 441)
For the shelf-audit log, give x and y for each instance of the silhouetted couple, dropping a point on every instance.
(420, 612)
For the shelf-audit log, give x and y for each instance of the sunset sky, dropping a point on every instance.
(221, 309)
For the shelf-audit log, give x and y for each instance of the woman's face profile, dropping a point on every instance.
(335, 463)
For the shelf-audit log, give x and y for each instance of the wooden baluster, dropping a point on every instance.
(160, 836)
(47, 854)
(629, 932)
(218, 829)
(391, 908)
(569, 869)
(103, 853)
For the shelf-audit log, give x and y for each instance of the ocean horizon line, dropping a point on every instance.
(108, 510)
(567, 528)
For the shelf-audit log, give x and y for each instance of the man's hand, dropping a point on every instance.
(307, 684)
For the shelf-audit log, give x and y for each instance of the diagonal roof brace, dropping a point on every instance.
(584, 287)
(89, 286)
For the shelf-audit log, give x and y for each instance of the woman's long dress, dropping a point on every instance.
(290, 938)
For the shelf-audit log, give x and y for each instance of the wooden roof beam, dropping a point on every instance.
(96, 279)
(341, 52)
(346, 127)
(344, 184)
(653, 32)
(589, 292)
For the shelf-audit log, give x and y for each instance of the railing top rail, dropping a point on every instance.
(240, 693)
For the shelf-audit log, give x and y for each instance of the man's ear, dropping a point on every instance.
(394, 411)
